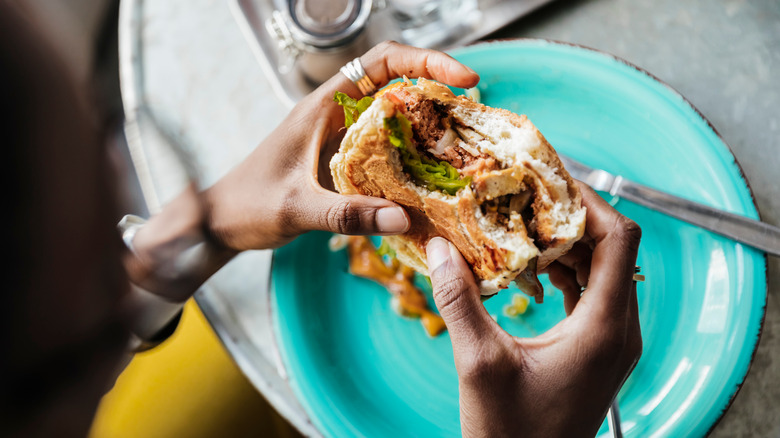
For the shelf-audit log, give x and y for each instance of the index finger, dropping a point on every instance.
(390, 60)
(616, 240)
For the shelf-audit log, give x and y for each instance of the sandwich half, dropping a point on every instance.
(483, 178)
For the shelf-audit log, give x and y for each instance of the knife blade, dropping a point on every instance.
(742, 229)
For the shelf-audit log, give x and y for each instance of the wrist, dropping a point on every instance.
(170, 258)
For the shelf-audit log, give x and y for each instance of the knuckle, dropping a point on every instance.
(343, 218)
(384, 48)
(448, 292)
(628, 230)
(387, 45)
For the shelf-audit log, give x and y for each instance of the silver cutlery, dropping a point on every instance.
(742, 229)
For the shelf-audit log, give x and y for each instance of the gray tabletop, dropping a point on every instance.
(187, 66)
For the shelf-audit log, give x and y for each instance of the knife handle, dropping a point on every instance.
(748, 231)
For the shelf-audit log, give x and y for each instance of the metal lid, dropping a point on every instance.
(326, 23)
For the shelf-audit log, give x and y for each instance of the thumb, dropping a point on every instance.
(352, 214)
(457, 296)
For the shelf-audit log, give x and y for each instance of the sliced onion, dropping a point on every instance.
(446, 141)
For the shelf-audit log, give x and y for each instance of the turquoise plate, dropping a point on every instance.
(361, 370)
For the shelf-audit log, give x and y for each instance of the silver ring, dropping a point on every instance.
(355, 73)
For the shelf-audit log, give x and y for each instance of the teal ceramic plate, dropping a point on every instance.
(361, 370)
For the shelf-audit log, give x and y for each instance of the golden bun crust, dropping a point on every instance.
(368, 164)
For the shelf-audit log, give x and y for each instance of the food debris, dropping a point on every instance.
(474, 94)
(365, 261)
(338, 242)
(517, 306)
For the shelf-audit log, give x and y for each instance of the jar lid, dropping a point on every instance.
(326, 23)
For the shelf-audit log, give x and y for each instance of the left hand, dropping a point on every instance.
(281, 189)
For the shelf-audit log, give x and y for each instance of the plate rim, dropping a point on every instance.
(668, 87)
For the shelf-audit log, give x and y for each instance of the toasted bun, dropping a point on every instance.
(497, 247)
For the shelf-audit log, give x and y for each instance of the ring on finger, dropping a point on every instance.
(354, 72)
(637, 276)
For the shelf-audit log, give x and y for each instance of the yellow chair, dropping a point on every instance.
(186, 387)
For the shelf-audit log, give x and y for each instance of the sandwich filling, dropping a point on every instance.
(424, 132)
(440, 153)
(484, 178)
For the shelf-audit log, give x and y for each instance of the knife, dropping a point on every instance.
(748, 231)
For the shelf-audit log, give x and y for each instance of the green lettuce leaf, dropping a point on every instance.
(400, 131)
(352, 108)
(434, 175)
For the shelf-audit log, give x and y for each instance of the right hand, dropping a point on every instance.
(283, 188)
(562, 382)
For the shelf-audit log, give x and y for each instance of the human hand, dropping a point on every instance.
(562, 382)
(281, 189)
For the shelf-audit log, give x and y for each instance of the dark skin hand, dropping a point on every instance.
(561, 383)
(283, 188)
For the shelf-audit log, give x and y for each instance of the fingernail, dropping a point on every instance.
(438, 253)
(391, 220)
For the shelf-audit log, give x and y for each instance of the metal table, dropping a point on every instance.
(189, 75)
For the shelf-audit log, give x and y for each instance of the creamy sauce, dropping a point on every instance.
(397, 278)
